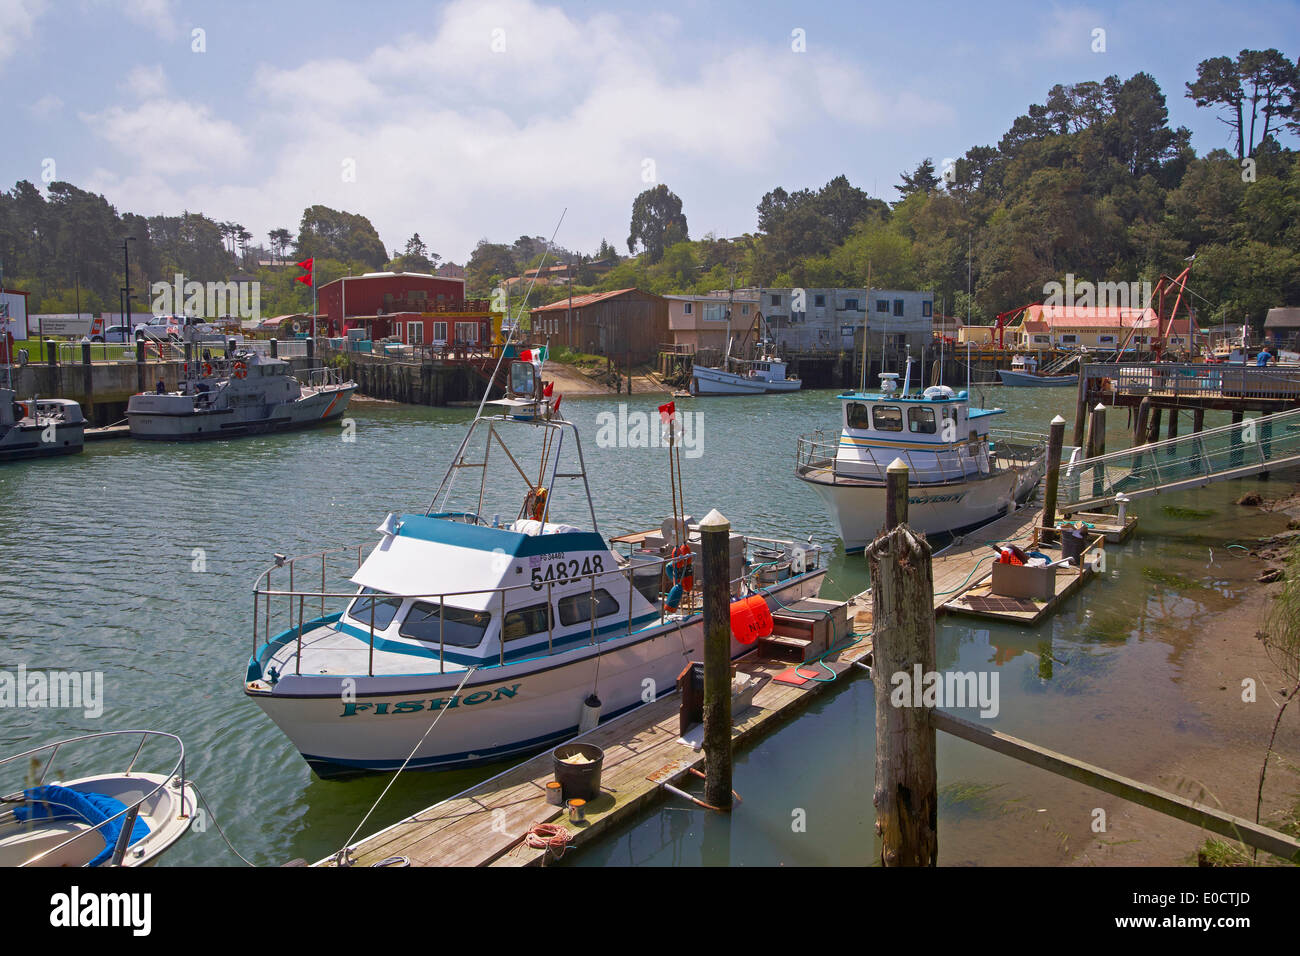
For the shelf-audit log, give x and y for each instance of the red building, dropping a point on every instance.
(417, 308)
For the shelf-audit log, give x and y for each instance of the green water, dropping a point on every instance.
(97, 573)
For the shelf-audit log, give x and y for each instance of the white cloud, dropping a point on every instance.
(16, 20)
(46, 107)
(157, 15)
(165, 136)
(146, 81)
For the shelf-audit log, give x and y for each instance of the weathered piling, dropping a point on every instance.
(1055, 439)
(715, 555)
(1080, 407)
(902, 607)
(1097, 446)
(895, 494)
(1140, 426)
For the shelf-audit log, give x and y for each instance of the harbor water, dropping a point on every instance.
(136, 560)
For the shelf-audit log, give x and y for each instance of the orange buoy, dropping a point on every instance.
(750, 619)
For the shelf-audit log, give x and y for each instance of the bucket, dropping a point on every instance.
(1072, 543)
(578, 781)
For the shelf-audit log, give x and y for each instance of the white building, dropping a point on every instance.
(827, 320)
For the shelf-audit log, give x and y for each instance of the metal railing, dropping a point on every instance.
(284, 348)
(1195, 380)
(128, 814)
(816, 458)
(1188, 461)
(290, 604)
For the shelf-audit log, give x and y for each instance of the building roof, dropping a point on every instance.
(747, 296)
(1283, 318)
(590, 298)
(1073, 316)
(393, 275)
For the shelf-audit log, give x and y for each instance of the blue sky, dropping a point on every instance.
(486, 118)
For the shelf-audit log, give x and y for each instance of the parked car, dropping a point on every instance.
(114, 335)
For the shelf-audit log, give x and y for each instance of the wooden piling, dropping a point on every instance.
(895, 494)
(1055, 439)
(906, 796)
(1153, 433)
(1143, 418)
(1097, 446)
(1198, 419)
(715, 554)
(1172, 431)
(1080, 407)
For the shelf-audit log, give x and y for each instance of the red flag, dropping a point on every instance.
(526, 355)
(547, 389)
(667, 412)
(556, 406)
(305, 280)
(306, 264)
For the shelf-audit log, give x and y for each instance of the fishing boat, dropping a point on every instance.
(246, 393)
(960, 475)
(39, 428)
(126, 818)
(1024, 372)
(759, 376)
(500, 612)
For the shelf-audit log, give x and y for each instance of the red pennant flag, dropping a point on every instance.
(306, 264)
(526, 355)
(305, 280)
(556, 406)
(667, 412)
(547, 389)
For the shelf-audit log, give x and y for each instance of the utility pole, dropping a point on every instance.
(126, 275)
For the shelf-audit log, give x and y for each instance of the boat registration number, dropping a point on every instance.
(557, 572)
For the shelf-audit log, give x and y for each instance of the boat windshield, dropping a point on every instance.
(385, 607)
(458, 627)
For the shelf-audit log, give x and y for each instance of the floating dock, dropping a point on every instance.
(107, 432)
(489, 824)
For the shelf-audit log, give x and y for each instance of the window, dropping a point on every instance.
(715, 312)
(744, 310)
(898, 307)
(776, 300)
(856, 415)
(1069, 339)
(882, 305)
(577, 608)
(927, 308)
(440, 331)
(416, 332)
(1106, 339)
(385, 609)
(920, 421)
(687, 307)
(467, 332)
(887, 418)
(526, 621)
(819, 300)
(851, 305)
(460, 627)
(1042, 339)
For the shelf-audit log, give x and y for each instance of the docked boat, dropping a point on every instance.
(1024, 371)
(246, 393)
(758, 376)
(124, 818)
(39, 428)
(501, 611)
(960, 474)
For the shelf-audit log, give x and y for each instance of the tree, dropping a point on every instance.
(922, 180)
(280, 240)
(1265, 81)
(657, 222)
(326, 233)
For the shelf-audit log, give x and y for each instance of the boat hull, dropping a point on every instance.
(24, 442)
(715, 381)
(1026, 379)
(501, 711)
(326, 405)
(858, 508)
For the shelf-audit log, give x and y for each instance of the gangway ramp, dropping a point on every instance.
(1266, 443)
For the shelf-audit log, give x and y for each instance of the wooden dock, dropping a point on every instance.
(107, 432)
(487, 825)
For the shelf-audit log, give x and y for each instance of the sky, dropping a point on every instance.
(490, 118)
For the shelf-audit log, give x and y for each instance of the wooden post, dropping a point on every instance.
(1198, 419)
(1055, 439)
(1172, 431)
(1143, 417)
(1235, 458)
(902, 606)
(1097, 446)
(895, 494)
(1081, 406)
(1153, 434)
(715, 555)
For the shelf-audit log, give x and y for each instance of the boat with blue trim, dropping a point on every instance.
(960, 474)
(512, 632)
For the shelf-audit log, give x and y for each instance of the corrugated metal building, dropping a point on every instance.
(623, 323)
(383, 293)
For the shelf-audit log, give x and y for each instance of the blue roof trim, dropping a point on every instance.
(880, 397)
(480, 538)
(981, 412)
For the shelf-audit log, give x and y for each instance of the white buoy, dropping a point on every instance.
(590, 714)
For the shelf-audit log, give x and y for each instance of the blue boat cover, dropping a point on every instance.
(52, 802)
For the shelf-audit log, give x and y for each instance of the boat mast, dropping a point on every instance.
(866, 320)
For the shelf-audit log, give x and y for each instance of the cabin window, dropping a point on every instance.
(887, 418)
(386, 608)
(526, 621)
(577, 608)
(460, 627)
(920, 421)
(857, 416)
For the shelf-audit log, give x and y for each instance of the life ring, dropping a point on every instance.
(22, 408)
(207, 370)
(239, 370)
(535, 503)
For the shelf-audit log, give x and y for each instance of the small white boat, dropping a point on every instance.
(960, 476)
(127, 818)
(501, 625)
(246, 394)
(39, 428)
(758, 376)
(1024, 372)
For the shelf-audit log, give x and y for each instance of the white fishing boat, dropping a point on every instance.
(758, 376)
(490, 612)
(245, 394)
(960, 475)
(39, 428)
(1024, 372)
(126, 818)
